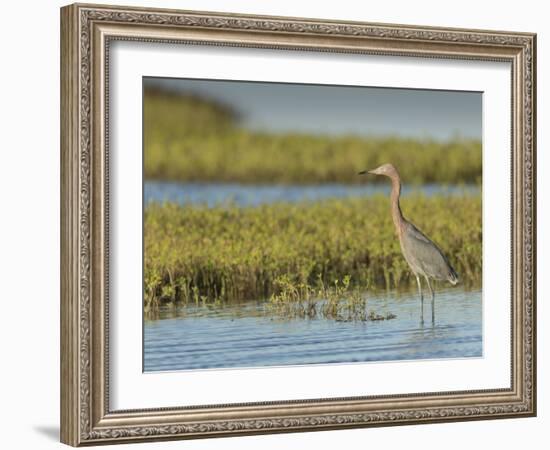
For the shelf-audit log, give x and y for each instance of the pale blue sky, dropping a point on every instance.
(286, 107)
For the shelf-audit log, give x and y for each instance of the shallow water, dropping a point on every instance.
(214, 194)
(245, 336)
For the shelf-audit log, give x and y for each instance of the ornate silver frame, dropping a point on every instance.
(86, 32)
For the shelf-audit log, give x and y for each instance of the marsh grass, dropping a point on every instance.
(337, 301)
(191, 139)
(207, 256)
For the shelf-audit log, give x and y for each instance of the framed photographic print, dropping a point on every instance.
(275, 224)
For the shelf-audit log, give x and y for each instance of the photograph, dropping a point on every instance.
(291, 224)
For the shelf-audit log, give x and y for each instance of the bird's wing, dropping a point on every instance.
(426, 255)
(417, 234)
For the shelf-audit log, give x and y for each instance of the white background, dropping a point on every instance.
(132, 389)
(29, 237)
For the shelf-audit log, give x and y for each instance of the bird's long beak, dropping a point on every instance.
(365, 172)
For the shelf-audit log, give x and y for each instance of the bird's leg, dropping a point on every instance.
(433, 299)
(421, 299)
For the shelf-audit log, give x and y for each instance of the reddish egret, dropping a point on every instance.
(423, 256)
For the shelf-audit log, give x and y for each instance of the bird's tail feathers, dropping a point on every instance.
(453, 277)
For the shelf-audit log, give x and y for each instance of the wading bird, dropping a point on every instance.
(423, 256)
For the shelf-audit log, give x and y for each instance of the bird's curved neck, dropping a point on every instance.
(397, 216)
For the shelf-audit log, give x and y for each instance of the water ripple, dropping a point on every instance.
(241, 336)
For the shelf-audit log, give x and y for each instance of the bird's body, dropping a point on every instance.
(423, 256)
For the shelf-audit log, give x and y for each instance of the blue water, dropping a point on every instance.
(213, 194)
(245, 336)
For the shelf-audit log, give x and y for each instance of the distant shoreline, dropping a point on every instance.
(194, 140)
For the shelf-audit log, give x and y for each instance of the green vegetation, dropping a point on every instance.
(195, 254)
(191, 139)
(337, 301)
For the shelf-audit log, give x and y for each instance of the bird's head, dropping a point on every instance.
(385, 169)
